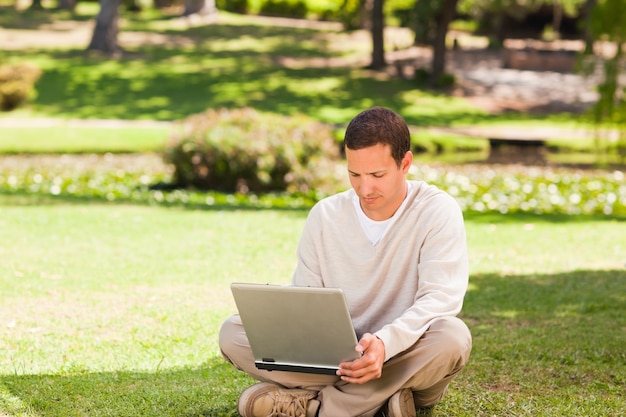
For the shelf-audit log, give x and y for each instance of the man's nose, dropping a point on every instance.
(367, 185)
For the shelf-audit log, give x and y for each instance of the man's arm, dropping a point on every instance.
(443, 276)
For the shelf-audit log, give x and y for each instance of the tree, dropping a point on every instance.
(433, 19)
(443, 17)
(201, 7)
(67, 4)
(377, 29)
(608, 23)
(35, 5)
(104, 37)
(587, 36)
(494, 15)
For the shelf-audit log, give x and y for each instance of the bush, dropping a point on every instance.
(235, 6)
(423, 77)
(246, 151)
(17, 84)
(285, 8)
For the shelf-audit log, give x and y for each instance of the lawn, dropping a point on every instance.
(111, 294)
(114, 309)
(172, 69)
(44, 137)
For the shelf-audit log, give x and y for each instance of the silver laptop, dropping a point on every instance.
(297, 329)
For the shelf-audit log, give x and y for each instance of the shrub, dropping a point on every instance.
(285, 8)
(243, 150)
(423, 77)
(17, 84)
(235, 6)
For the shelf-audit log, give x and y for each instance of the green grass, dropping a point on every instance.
(100, 138)
(113, 309)
(236, 62)
(233, 63)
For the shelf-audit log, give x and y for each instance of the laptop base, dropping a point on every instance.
(295, 368)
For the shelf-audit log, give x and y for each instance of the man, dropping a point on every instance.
(397, 249)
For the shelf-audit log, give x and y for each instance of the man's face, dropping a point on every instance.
(377, 180)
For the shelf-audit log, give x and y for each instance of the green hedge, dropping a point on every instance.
(344, 11)
(243, 151)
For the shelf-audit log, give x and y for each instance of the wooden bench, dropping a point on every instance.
(516, 144)
(536, 55)
(527, 151)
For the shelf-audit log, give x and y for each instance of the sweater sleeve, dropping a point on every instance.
(308, 271)
(442, 276)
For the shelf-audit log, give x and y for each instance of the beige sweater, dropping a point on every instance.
(416, 272)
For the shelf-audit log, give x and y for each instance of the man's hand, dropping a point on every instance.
(367, 367)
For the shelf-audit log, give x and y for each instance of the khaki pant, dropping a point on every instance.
(427, 368)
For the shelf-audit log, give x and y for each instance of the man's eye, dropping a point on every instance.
(377, 175)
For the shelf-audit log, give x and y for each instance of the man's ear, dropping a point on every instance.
(407, 160)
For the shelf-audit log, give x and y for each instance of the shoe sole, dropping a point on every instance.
(401, 404)
(245, 402)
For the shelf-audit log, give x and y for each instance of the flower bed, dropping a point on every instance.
(477, 187)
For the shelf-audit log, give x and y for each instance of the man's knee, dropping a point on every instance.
(452, 338)
(231, 337)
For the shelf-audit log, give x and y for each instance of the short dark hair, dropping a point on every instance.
(379, 125)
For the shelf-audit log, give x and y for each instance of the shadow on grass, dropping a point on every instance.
(497, 217)
(208, 391)
(147, 88)
(546, 344)
(27, 19)
(232, 66)
(553, 344)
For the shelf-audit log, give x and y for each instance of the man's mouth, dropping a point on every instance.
(369, 200)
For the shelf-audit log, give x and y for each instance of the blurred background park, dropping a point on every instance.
(152, 152)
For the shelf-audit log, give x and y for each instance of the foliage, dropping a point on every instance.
(17, 84)
(423, 77)
(534, 190)
(235, 6)
(421, 19)
(242, 150)
(608, 25)
(348, 12)
(477, 188)
(516, 8)
(289, 8)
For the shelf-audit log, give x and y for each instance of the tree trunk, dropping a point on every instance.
(67, 4)
(442, 21)
(107, 27)
(35, 5)
(587, 36)
(162, 4)
(201, 7)
(378, 35)
(557, 18)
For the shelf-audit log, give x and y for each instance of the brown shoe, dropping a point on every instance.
(400, 404)
(270, 400)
